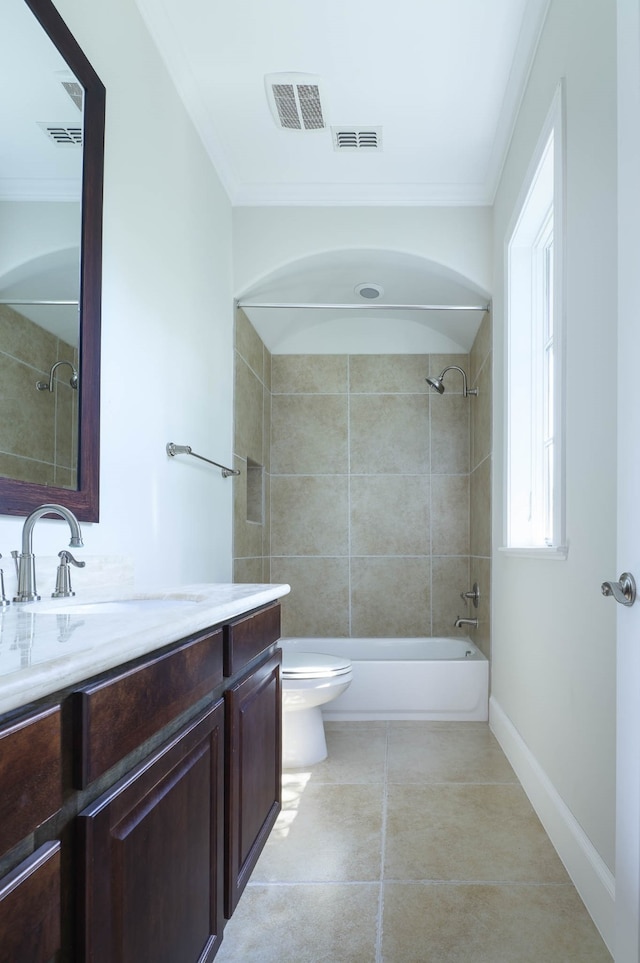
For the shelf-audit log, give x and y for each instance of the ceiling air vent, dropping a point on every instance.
(63, 135)
(75, 91)
(294, 100)
(357, 138)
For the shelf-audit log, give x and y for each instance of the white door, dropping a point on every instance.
(628, 468)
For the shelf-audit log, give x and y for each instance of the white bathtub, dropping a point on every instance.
(428, 679)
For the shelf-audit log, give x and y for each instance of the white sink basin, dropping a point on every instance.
(115, 606)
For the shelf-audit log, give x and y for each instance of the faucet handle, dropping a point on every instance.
(63, 576)
(66, 557)
(4, 601)
(474, 595)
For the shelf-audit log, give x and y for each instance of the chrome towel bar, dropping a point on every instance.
(186, 450)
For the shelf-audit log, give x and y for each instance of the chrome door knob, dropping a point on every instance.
(623, 591)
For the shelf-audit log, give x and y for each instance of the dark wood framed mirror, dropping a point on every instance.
(19, 496)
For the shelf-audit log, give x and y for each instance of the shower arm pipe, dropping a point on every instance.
(186, 450)
(364, 307)
(48, 385)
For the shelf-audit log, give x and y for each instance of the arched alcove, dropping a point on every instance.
(333, 278)
(54, 276)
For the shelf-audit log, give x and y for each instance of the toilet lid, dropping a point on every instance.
(313, 665)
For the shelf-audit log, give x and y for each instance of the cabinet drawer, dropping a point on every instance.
(30, 908)
(30, 775)
(250, 635)
(115, 716)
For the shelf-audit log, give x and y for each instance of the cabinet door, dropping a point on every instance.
(151, 855)
(30, 908)
(253, 771)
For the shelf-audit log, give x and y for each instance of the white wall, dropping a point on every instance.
(267, 238)
(31, 229)
(435, 255)
(554, 634)
(167, 321)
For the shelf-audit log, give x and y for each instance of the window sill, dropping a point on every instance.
(554, 553)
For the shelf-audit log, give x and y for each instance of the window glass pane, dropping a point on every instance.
(548, 508)
(532, 372)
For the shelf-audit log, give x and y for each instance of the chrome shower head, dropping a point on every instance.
(437, 383)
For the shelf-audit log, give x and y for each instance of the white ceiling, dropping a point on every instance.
(442, 78)
(32, 166)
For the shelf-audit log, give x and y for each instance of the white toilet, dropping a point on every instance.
(309, 680)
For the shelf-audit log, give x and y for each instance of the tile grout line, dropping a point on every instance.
(349, 555)
(383, 846)
(430, 532)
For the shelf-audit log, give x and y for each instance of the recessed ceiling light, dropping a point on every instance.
(369, 290)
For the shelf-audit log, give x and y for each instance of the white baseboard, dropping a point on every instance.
(590, 875)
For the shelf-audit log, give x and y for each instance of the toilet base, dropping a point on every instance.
(303, 739)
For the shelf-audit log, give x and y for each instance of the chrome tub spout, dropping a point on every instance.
(472, 623)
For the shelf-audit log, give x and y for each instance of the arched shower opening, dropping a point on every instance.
(362, 488)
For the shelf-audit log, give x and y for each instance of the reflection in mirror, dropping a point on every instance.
(50, 264)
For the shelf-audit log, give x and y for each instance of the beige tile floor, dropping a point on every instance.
(412, 843)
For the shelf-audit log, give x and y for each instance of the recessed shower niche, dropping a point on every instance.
(255, 492)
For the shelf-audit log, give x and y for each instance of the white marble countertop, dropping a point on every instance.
(45, 647)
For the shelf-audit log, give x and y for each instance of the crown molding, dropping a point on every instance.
(532, 25)
(160, 27)
(355, 195)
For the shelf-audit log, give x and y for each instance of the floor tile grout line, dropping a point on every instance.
(254, 884)
(518, 883)
(442, 782)
(383, 844)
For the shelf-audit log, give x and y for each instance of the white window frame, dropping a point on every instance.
(534, 369)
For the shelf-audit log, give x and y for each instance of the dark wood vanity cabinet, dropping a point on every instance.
(133, 810)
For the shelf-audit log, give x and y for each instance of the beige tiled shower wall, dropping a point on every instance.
(481, 374)
(38, 432)
(370, 483)
(251, 492)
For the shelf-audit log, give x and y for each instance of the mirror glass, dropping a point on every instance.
(52, 115)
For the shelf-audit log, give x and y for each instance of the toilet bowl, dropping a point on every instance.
(309, 680)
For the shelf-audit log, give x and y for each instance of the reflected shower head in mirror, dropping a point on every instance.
(48, 385)
(438, 384)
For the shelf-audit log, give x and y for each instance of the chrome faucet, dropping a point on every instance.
(4, 601)
(25, 562)
(473, 623)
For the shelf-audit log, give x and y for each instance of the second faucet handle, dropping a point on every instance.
(4, 601)
(474, 595)
(63, 576)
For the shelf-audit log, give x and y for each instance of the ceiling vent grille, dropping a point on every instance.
(63, 135)
(294, 100)
(75, 91)
(357, 138)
